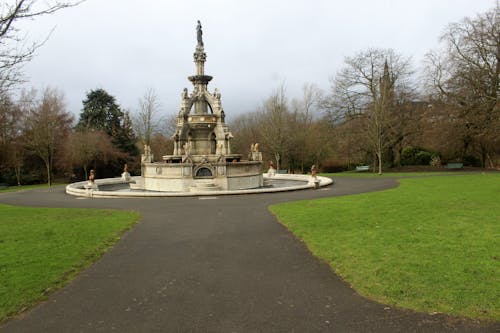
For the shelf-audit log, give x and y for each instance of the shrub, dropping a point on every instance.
(332, 165)
(470, 160)
(415, 156)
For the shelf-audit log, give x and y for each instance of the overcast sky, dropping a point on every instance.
(128, 46)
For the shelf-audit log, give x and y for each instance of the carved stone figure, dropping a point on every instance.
(199, 34)
(217, 94)
(272, 170)
(313, 171)
(91, 185)
(147, 156)
(92, 176)
(125, 174)
(187, 148)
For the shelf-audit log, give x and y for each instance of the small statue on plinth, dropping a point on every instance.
(147, 157)
(314, 178)
(313, 171)
(91, 185)
(255, 154)
(125, 174)
(217, 94)
(272, 170)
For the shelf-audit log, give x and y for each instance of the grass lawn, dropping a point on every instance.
(28, 187)
(369, 174)
(432, 245)
(41, 249)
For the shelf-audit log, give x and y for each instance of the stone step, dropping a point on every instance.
(203, 186)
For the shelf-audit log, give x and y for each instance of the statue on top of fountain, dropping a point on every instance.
(201, 118)
(199, 34)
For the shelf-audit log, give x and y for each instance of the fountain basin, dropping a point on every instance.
(119, 188)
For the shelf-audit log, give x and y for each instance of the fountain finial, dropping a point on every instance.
(199, 34)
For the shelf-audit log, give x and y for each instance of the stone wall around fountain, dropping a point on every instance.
(183, 177)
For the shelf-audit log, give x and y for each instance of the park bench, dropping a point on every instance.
(455, 166)
(283, 172)
(363, 168)
(4, 186)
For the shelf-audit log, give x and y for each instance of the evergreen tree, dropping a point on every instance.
(101, 112)
(125, 138)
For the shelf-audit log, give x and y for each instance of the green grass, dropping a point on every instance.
(28, 187)
(432, 245)
(41, 249)
(370, 174)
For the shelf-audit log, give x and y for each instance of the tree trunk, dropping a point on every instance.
(49, 180)
(17, 171)
(379, 155)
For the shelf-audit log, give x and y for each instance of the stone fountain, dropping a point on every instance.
(202, 158)
(202, 162)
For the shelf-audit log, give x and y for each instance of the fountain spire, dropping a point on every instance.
(200, 80)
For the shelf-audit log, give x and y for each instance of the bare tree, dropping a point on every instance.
(146, 121)
(303, 146)
(47, 127)
(15, 49)
(246, 128)
(161, 145)
(274, 118)
(367, 87)
(11, 136)
(87, 147)
(465, 75)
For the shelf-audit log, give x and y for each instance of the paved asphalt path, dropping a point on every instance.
(214, 264)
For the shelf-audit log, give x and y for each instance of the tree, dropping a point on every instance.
(246, 128)
(303, 147)
(100, 112)
(89, 147)
(47, 127)
(161, 145)
(465, 77)
(146, 122)
(11, 136)
(368, 87)
(273, 126)
(14, 48)
(125, 138)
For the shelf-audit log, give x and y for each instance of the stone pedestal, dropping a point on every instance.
(91, 186)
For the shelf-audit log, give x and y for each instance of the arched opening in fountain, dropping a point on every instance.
(203, 172)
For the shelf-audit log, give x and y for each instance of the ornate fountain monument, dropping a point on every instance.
(202, 162)
(202, 158)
